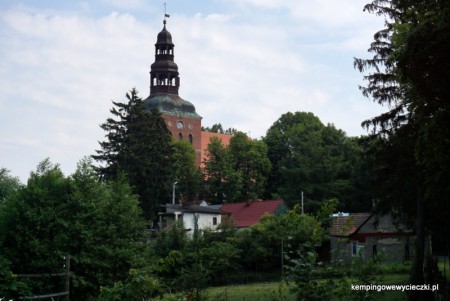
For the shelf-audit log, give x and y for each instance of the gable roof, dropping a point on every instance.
(365, 224)
(249, 213)
(353, 221)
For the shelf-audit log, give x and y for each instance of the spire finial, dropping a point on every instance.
(166, 15)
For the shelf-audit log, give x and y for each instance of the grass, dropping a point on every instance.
(251, 292)
(271, 291)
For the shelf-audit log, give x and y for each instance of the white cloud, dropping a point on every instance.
(59, 70)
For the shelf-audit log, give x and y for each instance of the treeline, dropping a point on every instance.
(98, 223)
(101, 226)
(298, 155)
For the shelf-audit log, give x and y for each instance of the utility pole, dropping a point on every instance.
(173, 192)
(303, 212)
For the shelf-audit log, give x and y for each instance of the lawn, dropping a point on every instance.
(251, 292)
(272, 291)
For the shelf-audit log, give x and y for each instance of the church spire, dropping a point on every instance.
(164, 76)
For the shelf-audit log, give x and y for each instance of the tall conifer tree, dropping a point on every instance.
(138, 144)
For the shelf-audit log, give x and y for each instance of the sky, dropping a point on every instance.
(242, 63)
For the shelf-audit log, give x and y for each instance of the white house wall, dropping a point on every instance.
(205, 221)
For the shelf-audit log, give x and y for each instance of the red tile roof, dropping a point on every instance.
(354, 221)
(246, 214)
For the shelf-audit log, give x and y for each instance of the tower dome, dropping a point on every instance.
(179, 115)
(164, 37)
(164, 76)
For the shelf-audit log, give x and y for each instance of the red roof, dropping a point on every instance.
(246, 214)
(353, 222)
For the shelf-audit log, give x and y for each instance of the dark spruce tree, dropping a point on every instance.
(139, 144)
(411, 140)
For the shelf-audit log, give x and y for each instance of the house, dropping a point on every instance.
(246, 214)
(205, 216)
(366, 235)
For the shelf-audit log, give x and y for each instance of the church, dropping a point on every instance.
(180, 115)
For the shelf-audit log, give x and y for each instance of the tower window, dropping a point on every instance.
(190, 138)
(180, 136)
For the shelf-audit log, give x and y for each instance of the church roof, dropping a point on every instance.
(171, 104)
(164, 37)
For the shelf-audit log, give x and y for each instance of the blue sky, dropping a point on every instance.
(242, 63)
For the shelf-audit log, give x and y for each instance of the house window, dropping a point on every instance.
(354, 248)
(214, 221)
(357, 249)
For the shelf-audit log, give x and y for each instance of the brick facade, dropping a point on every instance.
(189, 129)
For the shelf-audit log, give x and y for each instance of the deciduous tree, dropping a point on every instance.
(99, 224)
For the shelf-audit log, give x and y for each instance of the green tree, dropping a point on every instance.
(99, 224)
(250, 159)
(218, 128)
(223, 183)
(411, 76)
(310, 157)
(185, 171)
(420, 45)
(8, 184)
(140, 285)
(139, 144)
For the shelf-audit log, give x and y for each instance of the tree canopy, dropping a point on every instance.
(138, 144)
(410, 75)
(236, 172)
(310, 157)
(99, 224)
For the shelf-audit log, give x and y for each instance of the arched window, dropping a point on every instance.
(180, 136)
(190, 138)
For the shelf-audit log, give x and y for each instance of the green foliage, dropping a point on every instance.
(217, 128)
(303, 275)
(167, 240)
(237, 172)
(325, 211)
(223, 183)
(139, 144)
(99, 224)
(308, 156)
(411, 74)
(250, 159)
(361, 273)
(265, 244)
(8, 184)
(185, 171)
(11, 287)
(140, 285)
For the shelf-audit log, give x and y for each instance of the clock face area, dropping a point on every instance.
(180, 125)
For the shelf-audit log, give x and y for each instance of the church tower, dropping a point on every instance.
(180, 116)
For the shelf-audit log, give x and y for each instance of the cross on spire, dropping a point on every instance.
(166, 15)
